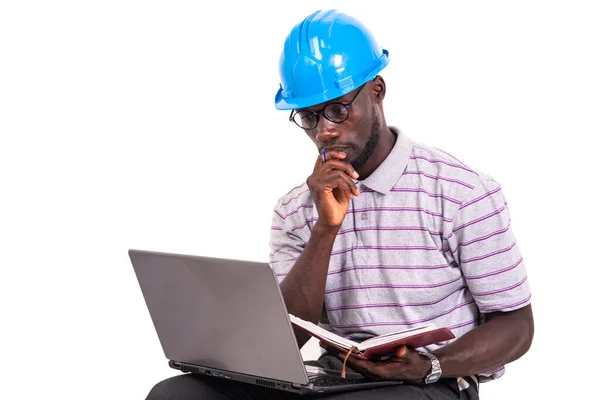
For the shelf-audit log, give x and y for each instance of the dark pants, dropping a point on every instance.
(200, 387)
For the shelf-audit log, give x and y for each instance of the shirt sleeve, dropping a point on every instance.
(484, 246)
(288, 238)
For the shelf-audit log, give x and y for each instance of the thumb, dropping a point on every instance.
(400, 351)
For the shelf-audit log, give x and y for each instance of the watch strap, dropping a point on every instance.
(435, 372)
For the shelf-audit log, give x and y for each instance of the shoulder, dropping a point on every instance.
(449, 170)
(294, 211)
(294, 202)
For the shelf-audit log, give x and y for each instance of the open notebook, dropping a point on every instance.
(379, 345)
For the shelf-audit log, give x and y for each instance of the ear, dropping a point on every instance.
(378, 88)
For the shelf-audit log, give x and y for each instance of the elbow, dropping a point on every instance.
(529, 331)
(526, 331)
(519, 331)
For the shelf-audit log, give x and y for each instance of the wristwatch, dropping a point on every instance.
(436, 370)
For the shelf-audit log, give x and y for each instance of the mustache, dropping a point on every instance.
(337, 146)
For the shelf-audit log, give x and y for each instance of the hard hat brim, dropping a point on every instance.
(282, 103)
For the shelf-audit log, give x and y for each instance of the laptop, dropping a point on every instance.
(227, 319)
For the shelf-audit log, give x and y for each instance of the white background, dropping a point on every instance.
(145, 124)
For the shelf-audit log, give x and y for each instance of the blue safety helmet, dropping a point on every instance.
(324, 57)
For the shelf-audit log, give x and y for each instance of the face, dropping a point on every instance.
(358, 136)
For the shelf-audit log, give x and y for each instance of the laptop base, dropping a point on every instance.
(334, 386)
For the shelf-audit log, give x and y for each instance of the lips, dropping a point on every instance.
(336, 148)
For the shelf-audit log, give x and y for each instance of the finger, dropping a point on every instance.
(357, 363)
(345, 170)
(342, 166)
(355, 190)
(326, 156)
(364, 367)
(332, 155)
(339, 180)
(318, 163)
(337, 184)
(381, 371)
(353, 362)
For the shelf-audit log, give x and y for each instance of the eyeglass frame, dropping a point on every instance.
(322, 111)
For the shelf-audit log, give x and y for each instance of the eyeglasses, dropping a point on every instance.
(335, 112)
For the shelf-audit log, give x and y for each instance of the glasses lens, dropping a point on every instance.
(305, 119)
(336, 112)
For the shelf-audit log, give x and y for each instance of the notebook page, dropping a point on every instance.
(390, 337)
(322, 333)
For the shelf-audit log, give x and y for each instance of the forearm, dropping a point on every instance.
(303, 288)
(503, 338)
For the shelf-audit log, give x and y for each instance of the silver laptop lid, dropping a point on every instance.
(219, 313)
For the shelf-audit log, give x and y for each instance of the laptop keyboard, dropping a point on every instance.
(328, 380)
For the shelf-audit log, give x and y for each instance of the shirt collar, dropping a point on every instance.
(384, 178)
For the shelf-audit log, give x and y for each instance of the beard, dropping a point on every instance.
(367, 151)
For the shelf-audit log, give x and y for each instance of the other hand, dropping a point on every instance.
(405, 365)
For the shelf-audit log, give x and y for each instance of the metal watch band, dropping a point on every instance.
(436, 370)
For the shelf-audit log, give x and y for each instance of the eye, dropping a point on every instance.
(305, 119)
(336, 111)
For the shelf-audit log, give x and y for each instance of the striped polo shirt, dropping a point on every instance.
(428, 240)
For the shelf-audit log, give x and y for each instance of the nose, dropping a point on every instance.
(326, 130)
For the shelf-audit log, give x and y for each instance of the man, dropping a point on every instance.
(385, 234)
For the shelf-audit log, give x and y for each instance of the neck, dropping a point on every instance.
(384, 147)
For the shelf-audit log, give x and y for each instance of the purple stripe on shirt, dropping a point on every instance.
(406, 190)
(367, 228)
(419, 321)
(342, 251)
(483, 196)
(384, 267)
(393, 305)
(506, 289)
(313, 219)
(299, 186)
(508, 306)
(438, 177)
(436, 161)
(461, 244)
(276, 251)
(500, 271)
(295, 211)
(276, 228)
(417, 209)
(294, 198)
(493, 253)
(389, 228)
(462, 324)
(495, 212)
(456, 159)
(362, 287)
(286, 260)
